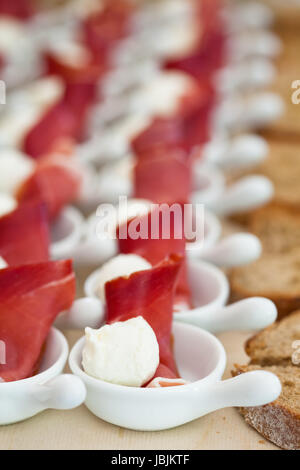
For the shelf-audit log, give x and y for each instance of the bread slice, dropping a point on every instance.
(279, 421)
(275, 350)
(276, 344)
(277, 227)
(275, 276)
(282, 167)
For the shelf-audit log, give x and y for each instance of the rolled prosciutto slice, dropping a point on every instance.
(56, 181)
(163, 178)
(155, 236)
(149, 294)
(65, 119)
(31, 296)
(104, 29)
(24, 235)
(210, 52)
(20, 9)
(161, 135)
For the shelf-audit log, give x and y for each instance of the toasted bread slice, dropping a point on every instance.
(279, 421)
(276, 345)
(277, 227)
(276, 276)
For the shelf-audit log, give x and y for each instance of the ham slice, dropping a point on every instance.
(163, 178)
(65, 119)
(56, 181)
(210, 53)
(155, 244)
(161, 135)
(89, 72)
(150, 294)
(102, 30)
(19, 9)
(57, 123)
(31, 296)
(24, 235)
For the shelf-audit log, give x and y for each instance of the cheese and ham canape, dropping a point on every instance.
(149, 294)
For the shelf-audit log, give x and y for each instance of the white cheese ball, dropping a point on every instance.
(124, 353)
(121, 265)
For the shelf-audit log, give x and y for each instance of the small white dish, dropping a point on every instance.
(209, 291)
(201, 360)
(50, 388)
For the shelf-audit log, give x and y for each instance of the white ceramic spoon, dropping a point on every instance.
(254, 313)
(246, 194)
(23, 399)
(243, 151)
(201, 360)
(240, 113)
(234, 250)
(251, 74)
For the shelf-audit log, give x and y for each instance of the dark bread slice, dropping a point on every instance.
(275, 276)
(277, 227)
(279, 421)
(275, 344)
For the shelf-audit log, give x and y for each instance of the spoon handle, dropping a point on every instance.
(247, 194)
(61, 393)
(254, 313)
(254, 388)
(240, 152)
(235, 250)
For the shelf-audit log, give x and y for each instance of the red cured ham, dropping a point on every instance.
(161, 135)
(160, 237)
(85, 73)
(164, 371)
(209, 54)
(163, 178)
(56, 181)
(65, 119)
(31, 296)
(20, 9)
(24, 235)
(105, 28)
(149, 294)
